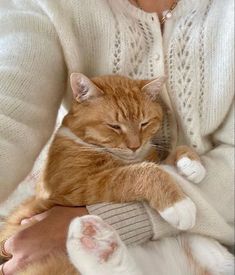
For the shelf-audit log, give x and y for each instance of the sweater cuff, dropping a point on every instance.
(130, 220)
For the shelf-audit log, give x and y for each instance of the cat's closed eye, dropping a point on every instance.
(150, 121)
(144, 124)
(114, 126)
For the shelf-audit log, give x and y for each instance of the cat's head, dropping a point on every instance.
(115, 112)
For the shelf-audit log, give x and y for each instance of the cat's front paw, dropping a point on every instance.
(181, 215)
(193, 170)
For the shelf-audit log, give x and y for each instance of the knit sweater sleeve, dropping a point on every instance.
(214, 198)
(218, 184)
(32, 81)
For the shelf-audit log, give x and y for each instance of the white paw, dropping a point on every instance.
(181, 215)
(95, 247)
(92, 236)
(193, 170)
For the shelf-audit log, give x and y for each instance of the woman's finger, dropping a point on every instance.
(7, 268)
(8, 246)
(2, 270)
(34, 218)
(10, 267)
(4, 251)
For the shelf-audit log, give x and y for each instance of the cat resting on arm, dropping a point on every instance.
(103, 152)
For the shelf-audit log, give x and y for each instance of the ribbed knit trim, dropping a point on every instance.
(130, 220)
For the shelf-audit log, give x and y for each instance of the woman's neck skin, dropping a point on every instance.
(157, 6)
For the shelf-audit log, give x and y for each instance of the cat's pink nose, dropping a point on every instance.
(133, 142)
(134, 147)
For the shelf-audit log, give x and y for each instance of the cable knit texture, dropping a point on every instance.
(43, 41)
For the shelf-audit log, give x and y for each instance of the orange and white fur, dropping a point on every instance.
(103, 152)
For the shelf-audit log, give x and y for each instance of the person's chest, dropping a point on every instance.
(111, 37)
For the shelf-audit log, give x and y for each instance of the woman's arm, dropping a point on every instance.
(32, 83)
(131, 220)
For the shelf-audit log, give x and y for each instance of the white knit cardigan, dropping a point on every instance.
(43, 41)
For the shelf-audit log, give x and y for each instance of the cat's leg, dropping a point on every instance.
(211, 255)
(137, 182)
(188, 163)
(95, 247)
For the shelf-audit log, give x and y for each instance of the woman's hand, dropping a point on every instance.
(38, 240)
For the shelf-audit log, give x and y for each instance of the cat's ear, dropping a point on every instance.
(83, 88)
(153, 87)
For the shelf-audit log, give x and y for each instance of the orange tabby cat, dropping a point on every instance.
(103, 153)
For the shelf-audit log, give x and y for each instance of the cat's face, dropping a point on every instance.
(115, 112)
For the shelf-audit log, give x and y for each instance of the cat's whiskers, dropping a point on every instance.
(161, 147)
(91, 148)
(129, 155)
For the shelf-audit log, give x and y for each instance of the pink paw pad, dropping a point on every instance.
(108, 252)
(97, 238)
(88, 232)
